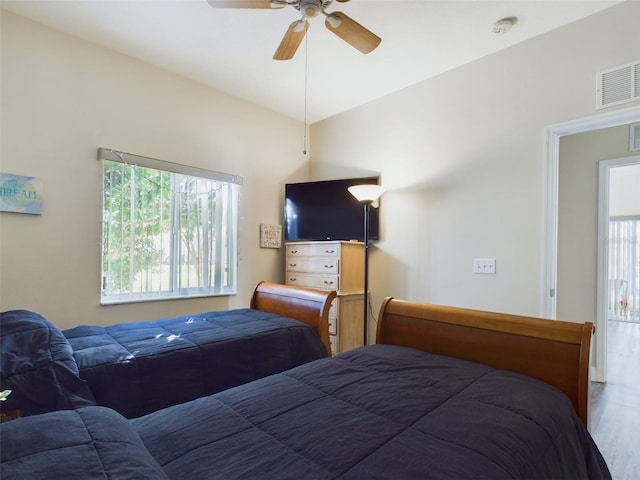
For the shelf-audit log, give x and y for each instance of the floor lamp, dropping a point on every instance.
(366, 194)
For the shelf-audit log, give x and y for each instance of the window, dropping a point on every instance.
(624, 268)
(168, 231)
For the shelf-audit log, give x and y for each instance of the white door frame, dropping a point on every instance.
(602, 300)
(553, 134)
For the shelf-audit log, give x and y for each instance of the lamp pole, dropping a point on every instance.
(366, 194)
(367, 205)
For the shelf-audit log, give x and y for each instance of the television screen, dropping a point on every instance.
(325, 210)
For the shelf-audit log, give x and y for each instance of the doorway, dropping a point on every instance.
(621, 226)
(618, 250)
(585, 298)
(613, 405)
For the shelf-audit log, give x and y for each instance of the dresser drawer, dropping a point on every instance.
(325, 282)
(333, 308)
(335, 344)
(333, 325)
(330, 265)
(331, 250)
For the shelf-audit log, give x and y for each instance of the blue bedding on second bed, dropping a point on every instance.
(139, 367)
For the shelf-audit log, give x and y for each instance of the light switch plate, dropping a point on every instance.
(484, 265)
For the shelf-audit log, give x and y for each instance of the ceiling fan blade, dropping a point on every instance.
(352, 32)
(246, 4)
(291, 40)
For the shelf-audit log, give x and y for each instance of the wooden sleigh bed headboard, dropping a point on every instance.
(307, 305)
(555, 352)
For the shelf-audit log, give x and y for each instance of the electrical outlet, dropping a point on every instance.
(484, 265)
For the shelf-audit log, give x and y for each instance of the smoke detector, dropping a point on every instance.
(503, 25)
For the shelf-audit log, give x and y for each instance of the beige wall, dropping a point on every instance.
(62, 98)
(463, 159)
(580, 155)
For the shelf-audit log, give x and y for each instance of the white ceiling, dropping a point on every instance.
(231, 49)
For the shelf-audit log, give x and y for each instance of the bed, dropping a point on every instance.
(470, 410)
(139, 367)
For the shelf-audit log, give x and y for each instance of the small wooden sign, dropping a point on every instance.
(270, 236)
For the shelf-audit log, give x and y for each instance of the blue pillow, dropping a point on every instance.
(84, 444)
(37, 364)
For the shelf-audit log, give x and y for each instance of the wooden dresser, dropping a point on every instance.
(333, 265)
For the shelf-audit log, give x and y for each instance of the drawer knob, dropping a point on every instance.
(328, 266)
(329, 251)
(293, 251)
(293, 264)
(328, 282)
(293, 279)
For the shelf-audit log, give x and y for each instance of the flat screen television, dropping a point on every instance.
(325, 210)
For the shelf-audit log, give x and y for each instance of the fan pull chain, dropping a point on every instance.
(304, 141)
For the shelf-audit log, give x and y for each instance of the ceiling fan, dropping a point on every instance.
(337, 22)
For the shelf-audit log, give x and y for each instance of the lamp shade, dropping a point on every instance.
(366, 193)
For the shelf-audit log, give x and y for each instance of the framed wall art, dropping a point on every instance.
(20, 194)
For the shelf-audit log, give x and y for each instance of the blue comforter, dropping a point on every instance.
(377, 412)
(139, 367)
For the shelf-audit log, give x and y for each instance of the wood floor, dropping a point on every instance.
(615, 406)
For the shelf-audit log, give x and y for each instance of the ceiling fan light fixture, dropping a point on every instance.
(310, 8)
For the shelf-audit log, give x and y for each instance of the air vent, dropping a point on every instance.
(618, 85)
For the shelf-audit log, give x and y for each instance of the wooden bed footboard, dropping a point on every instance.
(307, 305)
(553, 351)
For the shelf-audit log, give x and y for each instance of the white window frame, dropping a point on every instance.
(223, 277)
